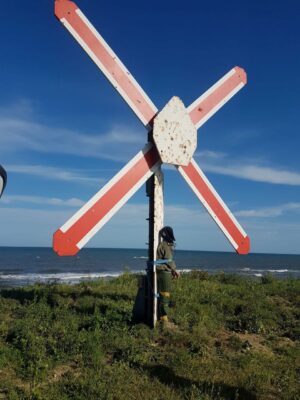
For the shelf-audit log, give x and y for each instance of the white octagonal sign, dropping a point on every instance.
(174, 133)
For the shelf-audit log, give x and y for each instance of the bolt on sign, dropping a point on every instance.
(172, 138)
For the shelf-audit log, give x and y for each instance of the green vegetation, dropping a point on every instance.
(235, 338)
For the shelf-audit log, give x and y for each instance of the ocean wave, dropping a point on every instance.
(279, 271)
(20, 279)
(275, 271)
(141, 257)
(67, 277)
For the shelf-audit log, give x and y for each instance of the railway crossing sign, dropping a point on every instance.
(172, 138)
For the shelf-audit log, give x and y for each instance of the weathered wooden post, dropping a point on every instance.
(156, 222)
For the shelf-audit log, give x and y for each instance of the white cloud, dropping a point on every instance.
(38, 200)
(257, 174)
(28, 227)
(221, 163)
(127, 228)
(53, 173)
(210, 155)
(20, 131)
(194, 229)
(269, 212)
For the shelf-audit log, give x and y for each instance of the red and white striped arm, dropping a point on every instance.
(80, 228)
(218, 210)
(214, 98)
(93, 43)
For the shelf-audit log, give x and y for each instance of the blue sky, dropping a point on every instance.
(65, 131)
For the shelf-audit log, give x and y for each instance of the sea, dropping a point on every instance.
(21, 266)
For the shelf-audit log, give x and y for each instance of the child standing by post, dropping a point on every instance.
(166, 270)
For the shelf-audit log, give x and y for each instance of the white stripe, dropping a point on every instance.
(117, 60)
(218, 106)
(105, 188)
(1, 185)
(124, 199)
(211, 89)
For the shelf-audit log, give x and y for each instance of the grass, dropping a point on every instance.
(236, 338)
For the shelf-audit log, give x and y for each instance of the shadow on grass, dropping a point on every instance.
(49, 294)
(18, 294)
(109, 296)
(167, 377)
(25, 295)
(139, 314)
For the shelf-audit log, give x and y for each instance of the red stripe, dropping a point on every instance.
(217, 96)
(215, 205)
(67, 10)
(112, 197)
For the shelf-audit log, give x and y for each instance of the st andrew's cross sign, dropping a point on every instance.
(172, 138)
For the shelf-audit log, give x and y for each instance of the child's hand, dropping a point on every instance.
(175, 274)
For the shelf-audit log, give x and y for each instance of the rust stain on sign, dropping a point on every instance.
(174, 133)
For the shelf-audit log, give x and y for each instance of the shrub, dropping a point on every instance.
(267, 279)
